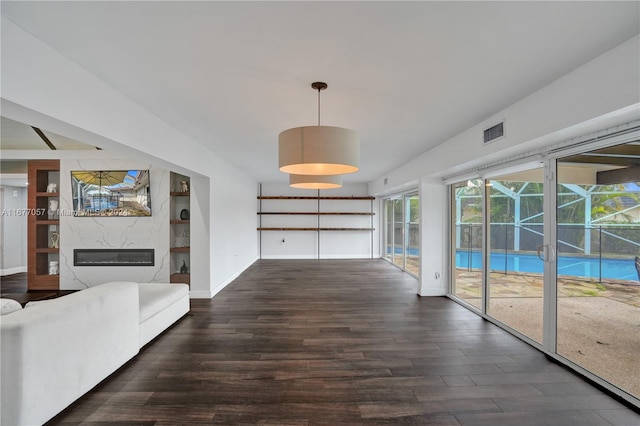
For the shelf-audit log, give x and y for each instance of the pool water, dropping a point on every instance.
(589, 267)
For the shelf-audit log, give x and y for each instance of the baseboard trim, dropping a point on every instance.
(222, 285)
(433, 292)
(11, 271)
(315, 257)
(200, 295)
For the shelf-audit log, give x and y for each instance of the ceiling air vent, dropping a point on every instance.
(494, 132)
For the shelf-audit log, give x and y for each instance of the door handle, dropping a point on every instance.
(546, 253)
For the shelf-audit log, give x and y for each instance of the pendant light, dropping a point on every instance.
(315, 181)
(319, 150)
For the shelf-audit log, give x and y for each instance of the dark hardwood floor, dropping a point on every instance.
(300, 342)
(15, 287)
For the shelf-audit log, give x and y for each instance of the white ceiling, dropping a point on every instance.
(404, 75)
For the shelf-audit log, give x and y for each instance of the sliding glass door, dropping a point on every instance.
(598, 263)
(561, 251)
(412, 234)
(402, 232)
(515, 235)
(389, 247)
(398, 232)
(467, 209)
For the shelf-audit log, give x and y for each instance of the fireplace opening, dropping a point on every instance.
(113, 257)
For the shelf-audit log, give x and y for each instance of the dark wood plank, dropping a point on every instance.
(15, 287)
(304, 342)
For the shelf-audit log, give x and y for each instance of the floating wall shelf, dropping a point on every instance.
(283, 197)
(316, 229)
(323, 213)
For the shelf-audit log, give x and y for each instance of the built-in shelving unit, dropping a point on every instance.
(179, 225)
(321, 210)
(43, 263)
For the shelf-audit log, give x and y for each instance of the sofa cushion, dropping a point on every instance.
(154, 297)
(9, 305)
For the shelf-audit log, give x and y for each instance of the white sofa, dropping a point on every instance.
(54, 352)
(160, 306)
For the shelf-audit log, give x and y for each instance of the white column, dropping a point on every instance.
(433, 239)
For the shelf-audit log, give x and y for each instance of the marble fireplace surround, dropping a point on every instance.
(111, 233)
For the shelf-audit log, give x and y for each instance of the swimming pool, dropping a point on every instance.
(589, 267)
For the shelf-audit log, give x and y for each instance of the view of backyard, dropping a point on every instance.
(595, 258)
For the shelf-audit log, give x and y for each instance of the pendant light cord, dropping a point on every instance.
(319, 106)
(319, 85)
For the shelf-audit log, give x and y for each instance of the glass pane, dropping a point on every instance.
(388, 222)
(515, 281)
(467, 211)
(598, 223)
(412, 231)
(398, 232)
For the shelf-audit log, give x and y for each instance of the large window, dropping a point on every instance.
(402, 232)
(553, 254)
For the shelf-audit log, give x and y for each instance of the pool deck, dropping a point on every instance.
(531, 285)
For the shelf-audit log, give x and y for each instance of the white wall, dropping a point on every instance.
(13, 252)
(304, 244)
(78, 232)
(234, 245)
(40, 86)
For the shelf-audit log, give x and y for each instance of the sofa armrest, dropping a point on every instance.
(160, 306)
